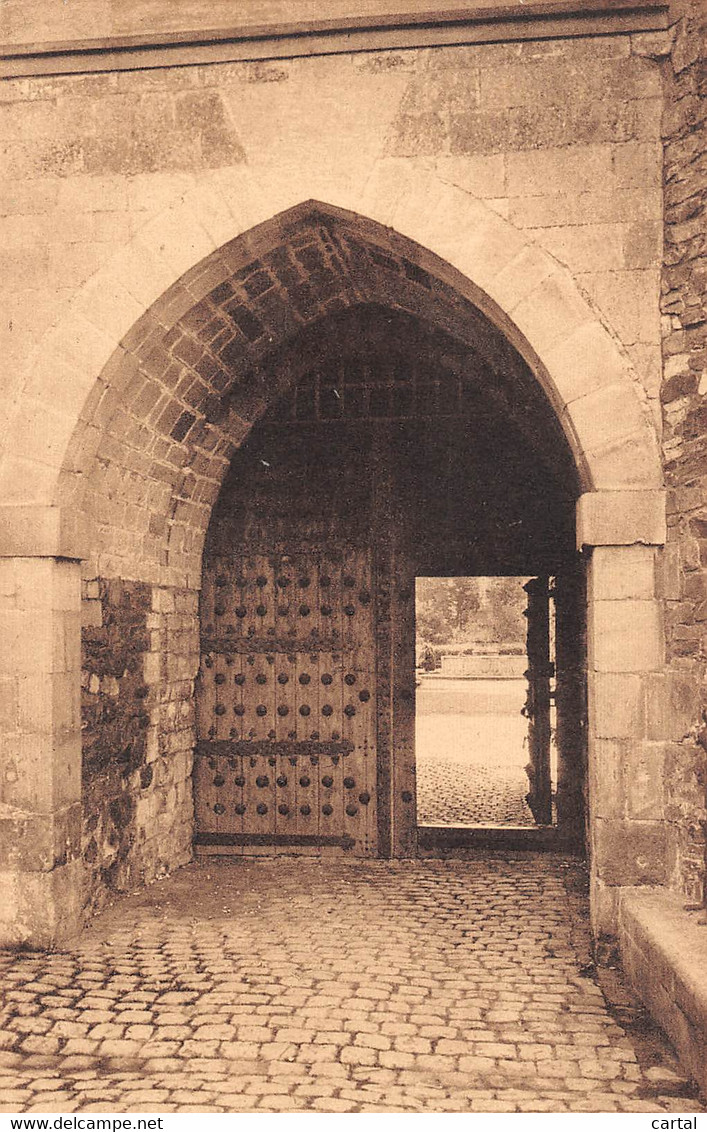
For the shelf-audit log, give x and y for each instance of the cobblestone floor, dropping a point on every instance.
(450, 792)
(336, 986)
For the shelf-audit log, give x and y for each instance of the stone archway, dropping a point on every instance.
(99, 350)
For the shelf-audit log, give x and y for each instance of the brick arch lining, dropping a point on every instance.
(193, 374)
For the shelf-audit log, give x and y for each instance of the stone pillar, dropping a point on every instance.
(621, 532)
(40, 727)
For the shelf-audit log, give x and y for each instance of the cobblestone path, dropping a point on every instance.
(471, 764)
(336, 986)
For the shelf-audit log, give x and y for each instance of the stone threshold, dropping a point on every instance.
(446, 840)
(475, 23)
(663, 946)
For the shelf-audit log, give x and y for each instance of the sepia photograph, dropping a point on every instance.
(353, 561)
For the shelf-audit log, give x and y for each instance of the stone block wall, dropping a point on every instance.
(560, 137)
(626, 789)
(138, 662)
(683, 696)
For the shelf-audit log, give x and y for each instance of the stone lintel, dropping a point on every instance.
(34, 530)
(89, 44)
(621, 518)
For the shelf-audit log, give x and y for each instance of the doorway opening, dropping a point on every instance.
(382, 463)
(485, 717)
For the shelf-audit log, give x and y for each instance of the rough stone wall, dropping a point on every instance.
(137, 722)
(684, 392)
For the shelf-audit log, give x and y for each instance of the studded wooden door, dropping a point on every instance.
(286, 754)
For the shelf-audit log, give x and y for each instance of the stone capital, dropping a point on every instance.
(33, 530)
(621, 518)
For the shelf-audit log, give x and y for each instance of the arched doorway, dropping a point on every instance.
(160, 394)
(398, 449)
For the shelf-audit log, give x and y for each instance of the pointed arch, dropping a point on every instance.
(175, 259)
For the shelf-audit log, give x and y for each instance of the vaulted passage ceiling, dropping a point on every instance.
(382, 412)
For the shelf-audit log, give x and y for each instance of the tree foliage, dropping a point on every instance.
(471, 611)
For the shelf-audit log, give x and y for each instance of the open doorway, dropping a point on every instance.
(446, 484)
(485, 725)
